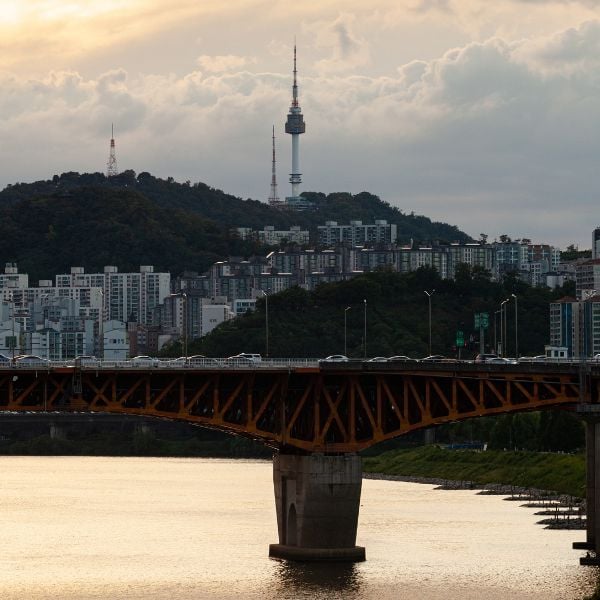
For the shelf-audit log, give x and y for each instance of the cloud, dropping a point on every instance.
(220, 64)
(348, 49)
(495, 136)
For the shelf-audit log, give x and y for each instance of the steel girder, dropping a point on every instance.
(310, 410)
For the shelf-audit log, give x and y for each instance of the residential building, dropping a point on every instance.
(575, 325)
(124, 294)
(356, 234)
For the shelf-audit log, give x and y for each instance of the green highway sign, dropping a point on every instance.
(482, 320)
(460, 339)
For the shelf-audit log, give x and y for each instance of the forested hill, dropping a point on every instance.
(128, 220)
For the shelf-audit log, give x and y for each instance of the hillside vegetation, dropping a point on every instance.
(128, 220)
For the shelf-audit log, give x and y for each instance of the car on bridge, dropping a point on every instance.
(482, 358)
(333, 358)
(5, 360)
(144, 361)
(242, 360)
(379, 359)
(31, 360)
(433, 358)
(401, 358)
(86, 360)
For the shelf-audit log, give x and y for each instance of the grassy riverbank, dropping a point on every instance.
(564, 473)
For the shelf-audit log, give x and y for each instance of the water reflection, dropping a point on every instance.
(329, 580)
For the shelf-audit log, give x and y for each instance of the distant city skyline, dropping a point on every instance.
(483, 115)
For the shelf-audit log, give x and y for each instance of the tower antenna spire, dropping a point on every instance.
(111, 166)
(295, 86)
(274, 197)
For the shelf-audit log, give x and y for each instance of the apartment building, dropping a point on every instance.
(356, 233)
(126, 296)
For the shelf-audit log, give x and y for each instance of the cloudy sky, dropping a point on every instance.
(482, 114)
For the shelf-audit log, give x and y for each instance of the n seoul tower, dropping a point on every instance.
(295, 125)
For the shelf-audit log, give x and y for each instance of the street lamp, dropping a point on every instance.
(429, 294)
(185, 325)
(516, 328)
(345, 330)
(365, 332)
(495, 331)
(266, 323)
(14, 339)
(502, 327)
(101, 327)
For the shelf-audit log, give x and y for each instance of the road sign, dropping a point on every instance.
(485, 319)
(460, 339)
(482, 320)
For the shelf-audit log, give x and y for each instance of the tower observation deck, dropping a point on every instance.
(295, 126)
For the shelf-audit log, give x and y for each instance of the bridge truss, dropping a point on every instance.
(332, 409)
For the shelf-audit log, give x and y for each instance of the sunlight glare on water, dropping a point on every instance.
(177, 529)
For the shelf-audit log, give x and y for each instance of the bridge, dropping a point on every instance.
(317, 417)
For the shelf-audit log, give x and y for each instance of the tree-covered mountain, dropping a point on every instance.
(91, 220)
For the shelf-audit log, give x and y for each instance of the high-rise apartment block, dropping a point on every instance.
(356, 233)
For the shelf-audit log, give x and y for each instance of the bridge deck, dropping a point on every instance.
(312, 407)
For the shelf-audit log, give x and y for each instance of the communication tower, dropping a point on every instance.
(274, 200)
(295, 126)
(111, 167)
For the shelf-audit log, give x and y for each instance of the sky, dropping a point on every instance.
(485, 115)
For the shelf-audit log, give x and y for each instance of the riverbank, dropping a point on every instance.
(560, 473)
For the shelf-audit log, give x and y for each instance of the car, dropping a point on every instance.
(378, 359)
(199, 360)
(334, 358)
(433, 358)
(239, 360)
(499, 360)
(144, 361)
(596, 358)
(31, 360)
(540, 358)
(255, 358)
(5, 360)
(401, 359)
(86, 360)
(482, 358)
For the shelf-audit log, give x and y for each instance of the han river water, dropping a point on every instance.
(182, 529)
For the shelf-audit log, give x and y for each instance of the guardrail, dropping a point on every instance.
(283, 363)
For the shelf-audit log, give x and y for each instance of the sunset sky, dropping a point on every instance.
(482, 114)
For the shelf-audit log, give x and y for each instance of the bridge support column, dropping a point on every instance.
(592, 491)
(317, 498)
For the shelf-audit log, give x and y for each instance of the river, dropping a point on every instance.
(182, 529)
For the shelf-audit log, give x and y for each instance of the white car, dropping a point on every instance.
(334, 358)
(144, 361)
(30, 360)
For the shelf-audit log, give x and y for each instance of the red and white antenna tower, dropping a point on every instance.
(274, 197)
(111, 167)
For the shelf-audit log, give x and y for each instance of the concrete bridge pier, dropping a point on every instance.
(592, 492)
(317, 498)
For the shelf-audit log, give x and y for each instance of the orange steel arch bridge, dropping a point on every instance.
(328, 408)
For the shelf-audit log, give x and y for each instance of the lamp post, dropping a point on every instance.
(266, 323)
(516, 327)
(365, 332)
(14, 339)
(502, 327)
(495, 331)
(345, 330)
(429, 294)
(185, 325)
(101, 327)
